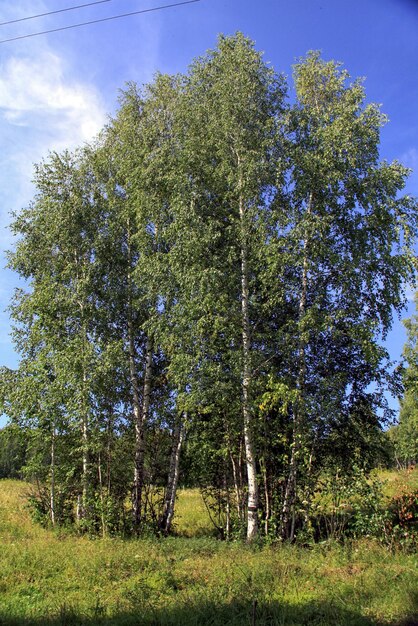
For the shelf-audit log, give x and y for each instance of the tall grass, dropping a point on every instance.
(58, 579)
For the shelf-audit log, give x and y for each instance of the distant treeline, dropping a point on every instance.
(213, 275)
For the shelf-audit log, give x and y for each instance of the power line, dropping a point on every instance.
(104, 19)
(32, 17)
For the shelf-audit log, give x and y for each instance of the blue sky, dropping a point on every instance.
(57, 90)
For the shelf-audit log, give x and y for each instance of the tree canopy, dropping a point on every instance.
(215, 272)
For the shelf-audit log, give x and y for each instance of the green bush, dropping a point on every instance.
(403, 521)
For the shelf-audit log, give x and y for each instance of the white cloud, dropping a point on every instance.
(410, 159)
(44, 103)
(36, 93)
(42, 108)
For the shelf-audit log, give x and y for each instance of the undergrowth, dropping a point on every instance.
(55, 578)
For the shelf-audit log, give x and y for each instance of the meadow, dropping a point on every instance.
(56, 578)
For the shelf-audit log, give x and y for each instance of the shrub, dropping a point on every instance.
(403, 522)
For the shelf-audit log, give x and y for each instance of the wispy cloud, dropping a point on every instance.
(44, 105)
(38, 94)
(42, 108)
(410, 158)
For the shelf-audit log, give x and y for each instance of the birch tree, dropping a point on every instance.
(233, 101)
(348, 234)
(141, 140)
(54, 331)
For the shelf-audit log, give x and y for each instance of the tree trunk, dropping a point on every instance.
(237, 487)
(52, 492)
(289, 501)
(83, 503)
(266, 496)
(136, 409)
(85, 464)
(140, 410)
(140, 418)
(85, 452)
(102, 511)
(173, 476)
(252, 508)
(290, 491)
(109, 453)
(228, 509)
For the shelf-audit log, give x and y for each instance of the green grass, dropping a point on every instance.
(192, 518)
(52, 579)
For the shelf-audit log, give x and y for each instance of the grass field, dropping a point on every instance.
(52, 579)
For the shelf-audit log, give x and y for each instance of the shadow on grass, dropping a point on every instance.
(232, 614)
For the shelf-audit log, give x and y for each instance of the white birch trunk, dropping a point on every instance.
(102, 513)
(266, 497)
(228, 510)
(85, 465)
(237, 489)
(82, 503)
(252, 506)
(298, 408)
(52, 492)
(85, 435)
(140, 418)
(140, 411)
(136, 410)
(173, 476)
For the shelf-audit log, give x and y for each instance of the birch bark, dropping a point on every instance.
(298, 407)
(252, 506)
(173, 476)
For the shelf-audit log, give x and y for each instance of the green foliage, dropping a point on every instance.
(404, 436)
(402, 524)
(347, 506)
(38, 504)
(355, 506)
(13, 448)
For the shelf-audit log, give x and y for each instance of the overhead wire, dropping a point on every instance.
(103, 19)
(73, 8)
